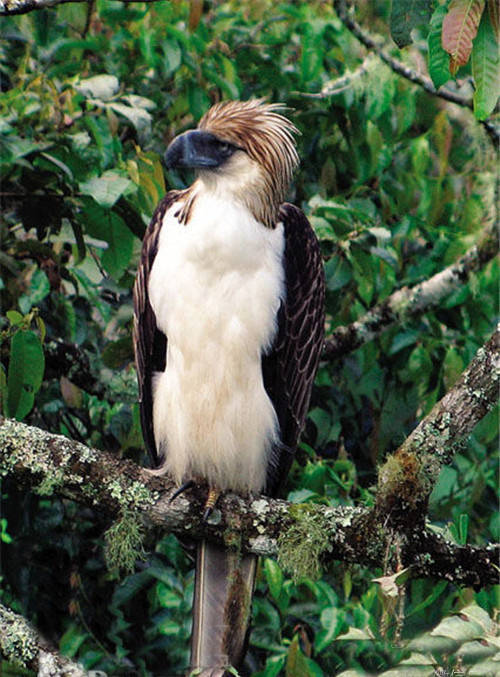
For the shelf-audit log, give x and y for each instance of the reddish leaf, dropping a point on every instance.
(459, 29)
(494, 11)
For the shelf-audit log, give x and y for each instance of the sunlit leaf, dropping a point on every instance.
(331, 622)
(106, 189)
(99, 86)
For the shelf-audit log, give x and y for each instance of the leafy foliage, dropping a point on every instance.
(396, 188)
(456, 30)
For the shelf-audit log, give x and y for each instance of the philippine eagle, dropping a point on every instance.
(228, 332)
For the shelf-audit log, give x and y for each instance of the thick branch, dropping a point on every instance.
(52, 463)
(21, 644)
(408, 476)
(409, 302)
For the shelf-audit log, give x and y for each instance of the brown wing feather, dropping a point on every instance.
(150, 344)
(289, 368)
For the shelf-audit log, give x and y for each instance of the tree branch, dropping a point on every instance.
(11, 7)
(409, 302)
(339, 84)
(21, 644)
(406, 72)
(397, 66)
(409, 475)
(53, 464)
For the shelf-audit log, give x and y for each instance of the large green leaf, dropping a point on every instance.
(438, 58)
(26, 368)
(106, 189)
(107, 226)
(407, 15)
(116, 257)
(485, 69)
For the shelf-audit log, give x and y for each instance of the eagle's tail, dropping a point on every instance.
(221, 608)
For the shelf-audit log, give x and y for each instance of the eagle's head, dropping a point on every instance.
(245, 149)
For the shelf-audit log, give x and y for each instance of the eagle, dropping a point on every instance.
(228, 331)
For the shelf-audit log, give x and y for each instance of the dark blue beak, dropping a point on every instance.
(197, 150)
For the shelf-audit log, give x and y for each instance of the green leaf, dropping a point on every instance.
(407, 15)
(38, 290)
(356, 634)
(311, 56)
(26, 368)
(15, 317)
(116, 257)
(452, 367)
(172, 56)
(438, 58)
(118, 353)
(72, 640)
(459, 30)
(338, 272)
(138, 116)
(331, 622)
(106, 189)
(420, 156)
(485, 69)
(296, 664)
(274, 577)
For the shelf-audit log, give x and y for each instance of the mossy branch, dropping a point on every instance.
(23, 646)
(121, 489)
(408, 476)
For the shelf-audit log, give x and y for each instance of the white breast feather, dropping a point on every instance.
(215, 288)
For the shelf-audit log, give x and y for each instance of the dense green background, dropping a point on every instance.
(397, 185)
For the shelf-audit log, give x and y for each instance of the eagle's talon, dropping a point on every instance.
(184, 487)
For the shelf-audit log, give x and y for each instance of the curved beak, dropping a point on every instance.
(195, 149)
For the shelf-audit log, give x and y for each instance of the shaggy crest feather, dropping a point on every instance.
(267, 137)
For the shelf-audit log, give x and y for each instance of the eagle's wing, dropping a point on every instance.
(150, 344)
(290, 366)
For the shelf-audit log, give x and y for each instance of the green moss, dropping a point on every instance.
(124, 544)
(17, 639)
(134, 496)
(51, 481)
(303, 543)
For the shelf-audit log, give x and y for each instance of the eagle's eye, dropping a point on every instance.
(225, 147)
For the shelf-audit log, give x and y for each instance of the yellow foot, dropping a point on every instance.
(213, 495)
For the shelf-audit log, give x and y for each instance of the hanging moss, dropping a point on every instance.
(124, 544)
(301, 546)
